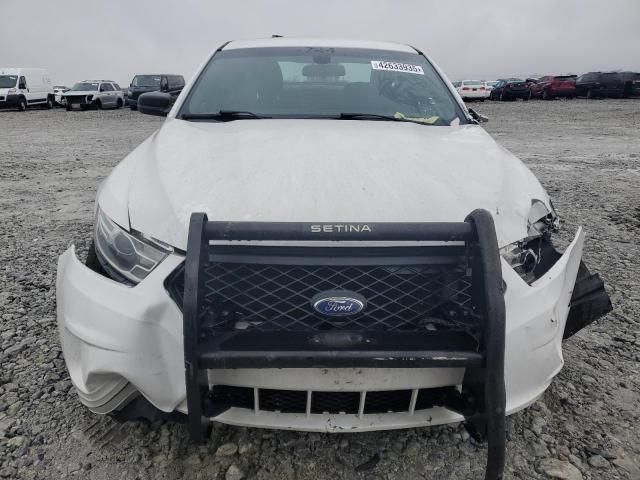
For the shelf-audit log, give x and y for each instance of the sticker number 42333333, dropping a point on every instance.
(396, 67)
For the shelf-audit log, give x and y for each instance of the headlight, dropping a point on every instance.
(127, 257)
(526, 256)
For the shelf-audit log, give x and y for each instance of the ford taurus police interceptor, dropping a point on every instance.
(321, 237)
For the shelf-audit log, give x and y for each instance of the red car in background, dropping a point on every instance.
(553, 86)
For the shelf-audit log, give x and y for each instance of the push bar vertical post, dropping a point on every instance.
(494, 339)
(197, 252)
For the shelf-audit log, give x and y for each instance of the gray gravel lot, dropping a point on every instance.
(586, 426)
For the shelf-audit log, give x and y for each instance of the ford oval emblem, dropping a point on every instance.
(338, 303)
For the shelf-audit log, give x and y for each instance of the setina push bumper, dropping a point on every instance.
(439, 306)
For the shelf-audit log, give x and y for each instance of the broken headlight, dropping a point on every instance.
(526, 256)
(126, 257)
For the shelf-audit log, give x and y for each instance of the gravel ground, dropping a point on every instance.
(586, 426)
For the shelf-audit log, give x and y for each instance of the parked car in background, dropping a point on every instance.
(631, 86)
(552, 86)
(510, 89)
(472, 90)
(94, 94)
(58, 90)
(600, 84)
(25, 87)
(488, 86)
(171, 84)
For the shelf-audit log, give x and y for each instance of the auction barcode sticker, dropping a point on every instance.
(396, 67)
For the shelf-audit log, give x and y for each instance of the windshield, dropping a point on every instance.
(84, 86)
(292, 82)
(8, 81)
(146, 81)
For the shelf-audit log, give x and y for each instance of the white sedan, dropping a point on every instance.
(472, 90)
(321, 237)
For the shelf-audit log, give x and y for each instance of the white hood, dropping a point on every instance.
(317, 171)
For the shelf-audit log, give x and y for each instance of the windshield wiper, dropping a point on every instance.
(222, 116)
(376, 116)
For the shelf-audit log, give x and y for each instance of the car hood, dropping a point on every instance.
(317, 171)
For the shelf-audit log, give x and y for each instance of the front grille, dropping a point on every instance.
(297, 401)
(335, 402)
(76, 98)
(272, 297)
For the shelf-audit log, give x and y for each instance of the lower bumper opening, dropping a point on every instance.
(223, 397)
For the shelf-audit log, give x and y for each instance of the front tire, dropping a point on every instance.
(590, 94)
(546, 95)
(119, 104)
(503, 97)
(68, 106)
(98, 104)
(49, 104)
(22, 104)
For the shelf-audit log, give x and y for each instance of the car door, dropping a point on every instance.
(23, 88)
(107, 95)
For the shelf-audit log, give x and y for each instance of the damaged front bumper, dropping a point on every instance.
(119, 341)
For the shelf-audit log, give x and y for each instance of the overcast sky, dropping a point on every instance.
(480, 39)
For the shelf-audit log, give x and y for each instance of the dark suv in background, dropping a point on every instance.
(510, 89)
(553, 86)
(600, 84)
(161, 82)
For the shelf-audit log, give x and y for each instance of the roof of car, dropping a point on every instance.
(317, 42)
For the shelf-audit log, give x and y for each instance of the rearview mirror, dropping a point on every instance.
(155, 103)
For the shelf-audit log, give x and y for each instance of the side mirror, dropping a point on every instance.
(477, 117)
(154, 103)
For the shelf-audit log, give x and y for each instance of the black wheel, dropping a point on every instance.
(49, 104)
(530, 95)
(99, 104)
(482, 99)
(133, 107)
(119, 104)
(69, 106)
(546, 95)
(590, 94)
(22, 104)
(503, 97)
(525, 98)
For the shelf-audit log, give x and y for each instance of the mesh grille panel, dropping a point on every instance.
(401, 298)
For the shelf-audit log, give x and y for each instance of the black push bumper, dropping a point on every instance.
(248, 306)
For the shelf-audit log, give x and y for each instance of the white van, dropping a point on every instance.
(25, 87)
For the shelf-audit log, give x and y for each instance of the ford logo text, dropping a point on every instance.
(338, 303)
